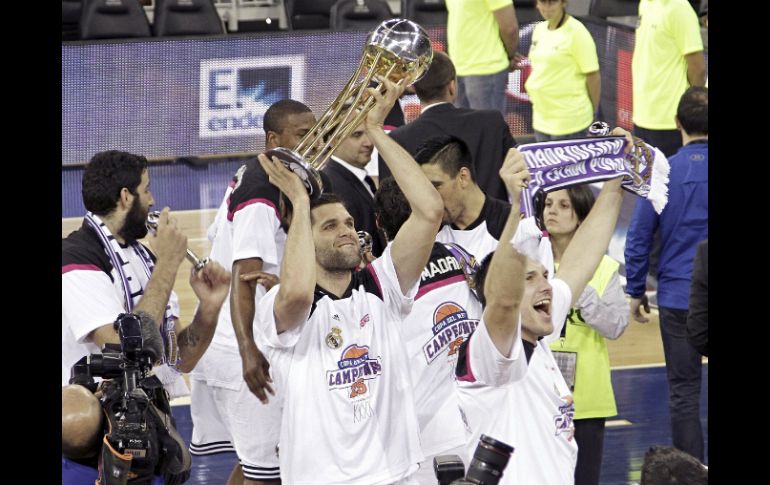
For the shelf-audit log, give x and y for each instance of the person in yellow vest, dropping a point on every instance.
(601, 312)
(565, 85)
(482, 39)
(668, 58)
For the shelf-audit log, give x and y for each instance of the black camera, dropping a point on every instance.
(129, 359)
(140, 438)
(486, 468)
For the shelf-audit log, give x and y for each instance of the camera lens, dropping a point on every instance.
(489, 461)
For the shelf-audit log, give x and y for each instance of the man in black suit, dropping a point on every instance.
(698, 312)
(354, 186)
(485, 132)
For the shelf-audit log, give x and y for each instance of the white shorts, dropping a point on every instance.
(209, 434)
(237, 417)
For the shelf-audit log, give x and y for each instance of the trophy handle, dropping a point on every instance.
(152, 226)
(294, 162)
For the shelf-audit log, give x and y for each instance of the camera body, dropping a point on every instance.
(486, 468)
(138, 435)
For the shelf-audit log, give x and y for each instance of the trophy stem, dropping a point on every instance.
(333, 111)
(346, 126)
(303, 147)
(356, 88)
(358, 92)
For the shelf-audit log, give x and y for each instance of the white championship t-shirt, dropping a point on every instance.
(444, 314)
(531, 411)
(348, 415)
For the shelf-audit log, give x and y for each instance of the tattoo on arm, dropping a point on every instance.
(189, 338)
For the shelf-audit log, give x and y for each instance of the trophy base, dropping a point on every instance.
(294, 162)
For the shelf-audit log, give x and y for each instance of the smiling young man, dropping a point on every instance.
(335, 345)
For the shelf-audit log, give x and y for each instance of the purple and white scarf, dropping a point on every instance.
(556, 165)
(132, 293)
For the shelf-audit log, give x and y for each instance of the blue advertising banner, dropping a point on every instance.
(171, 98)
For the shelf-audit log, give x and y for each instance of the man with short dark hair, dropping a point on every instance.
(106, 271)
(472, 219)
(484, 131)
(445, 313)
(334, 341)
(246, 235)
(682, 225)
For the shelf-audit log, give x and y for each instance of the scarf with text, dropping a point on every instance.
(132, 287)
(556, 165)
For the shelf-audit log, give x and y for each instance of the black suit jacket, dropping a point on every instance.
(484, 131)
(358, 201)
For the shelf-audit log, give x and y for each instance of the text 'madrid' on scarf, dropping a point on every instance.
(556, 165)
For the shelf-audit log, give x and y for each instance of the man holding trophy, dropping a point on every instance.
(335, 345)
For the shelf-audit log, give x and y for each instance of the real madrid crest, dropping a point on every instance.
(334, 338)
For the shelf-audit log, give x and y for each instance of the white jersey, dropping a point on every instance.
(348, 415)
(531, 411)
(444, 314)
(481, 236)
(254, 232)
(226, 414)
(93, 296)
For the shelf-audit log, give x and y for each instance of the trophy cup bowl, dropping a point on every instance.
(397, 49)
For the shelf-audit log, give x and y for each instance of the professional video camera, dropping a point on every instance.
(486, 468)
(140, 437)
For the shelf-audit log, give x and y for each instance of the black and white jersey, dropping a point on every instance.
(348, 415)
(481, 236)
(92, 292)
(251, 229)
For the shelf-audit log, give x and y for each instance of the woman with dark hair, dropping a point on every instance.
(581, 352)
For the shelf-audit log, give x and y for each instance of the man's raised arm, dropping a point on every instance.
(585, 251)
(298, 268)
(210, 285)
(504, 284)
(414, 241)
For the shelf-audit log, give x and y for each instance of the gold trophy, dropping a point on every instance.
(397, 49)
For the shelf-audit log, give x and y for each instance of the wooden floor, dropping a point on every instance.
(639, 345)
